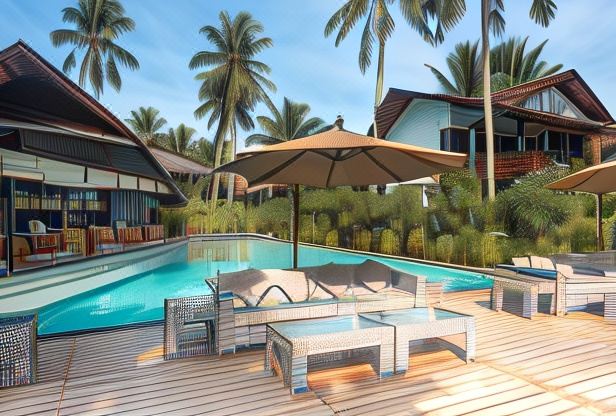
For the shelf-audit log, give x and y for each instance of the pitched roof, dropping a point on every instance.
(568, 83)
(33, 90)
(178, 163)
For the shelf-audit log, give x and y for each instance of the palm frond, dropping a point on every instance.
(543, 11)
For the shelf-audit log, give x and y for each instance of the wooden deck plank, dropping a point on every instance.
(548, 365)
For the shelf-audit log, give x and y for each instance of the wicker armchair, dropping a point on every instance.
(18, 353)
(190, 326)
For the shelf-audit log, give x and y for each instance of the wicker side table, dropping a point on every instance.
(294, 347)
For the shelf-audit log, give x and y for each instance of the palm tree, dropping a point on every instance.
(178, 139)
(99, 23)
(290, 122)
(542, 12)
(146, 122)
(380, 25)
(510, 65)
(235, 81)
(464, 64)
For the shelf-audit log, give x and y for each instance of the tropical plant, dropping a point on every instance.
(178, 139)
(99, 23)
(233, 75)
(202, 150)
(530, 210)
(510, 65)
(290, 122)
(146, 122)
(431, 19)
(464, 65)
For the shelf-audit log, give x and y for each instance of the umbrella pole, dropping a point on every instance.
(599, 225)
(295, 224)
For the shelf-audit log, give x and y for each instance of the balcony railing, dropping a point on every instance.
(509, 165)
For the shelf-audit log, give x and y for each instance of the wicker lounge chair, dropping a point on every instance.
(190, 326)
(18, 352)
(255, 298)
(526, 291)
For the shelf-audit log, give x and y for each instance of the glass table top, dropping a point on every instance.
(311, 327)
(411, 316)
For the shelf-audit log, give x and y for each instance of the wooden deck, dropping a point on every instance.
(545, 366)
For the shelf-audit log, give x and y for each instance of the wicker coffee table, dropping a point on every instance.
(294, 347)
(420, 324)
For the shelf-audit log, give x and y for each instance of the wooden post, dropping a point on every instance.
(599, 225)
(295, 224)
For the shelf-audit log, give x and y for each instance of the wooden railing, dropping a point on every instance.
(509, 165)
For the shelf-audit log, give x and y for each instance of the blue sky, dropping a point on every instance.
(306, 66)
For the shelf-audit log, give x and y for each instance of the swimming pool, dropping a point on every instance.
(140, 298)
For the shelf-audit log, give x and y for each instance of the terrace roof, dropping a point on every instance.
(53, 114)
(178, 163)
(509, 100)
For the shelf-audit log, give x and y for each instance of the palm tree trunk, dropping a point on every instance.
(487, 98)
(378, 94)
(231, 180)
(219, 138)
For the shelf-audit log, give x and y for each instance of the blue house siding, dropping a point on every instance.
(420, 124)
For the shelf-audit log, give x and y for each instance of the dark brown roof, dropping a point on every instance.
(177, 163)
(33, 90)
(568, 83)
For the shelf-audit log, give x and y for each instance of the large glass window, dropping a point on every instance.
(552, 101)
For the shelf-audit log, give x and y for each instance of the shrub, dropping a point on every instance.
(389, 243)
(331, 239)
(415, 244)
(444, 248)
(322, 226)
(467, 247)
(362, 239)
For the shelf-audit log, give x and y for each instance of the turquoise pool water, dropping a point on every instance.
(140, 298)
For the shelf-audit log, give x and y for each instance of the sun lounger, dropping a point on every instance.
(255, 298)
(525, 292)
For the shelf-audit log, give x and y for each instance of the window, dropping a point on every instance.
(552, 101)
(576, 146)
(530, 143)
(507, 143)
(455, 140)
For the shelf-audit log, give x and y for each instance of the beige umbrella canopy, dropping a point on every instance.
(339, 157)
(599, 179)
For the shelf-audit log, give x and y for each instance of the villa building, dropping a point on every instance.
(556, 119)
(75, 181)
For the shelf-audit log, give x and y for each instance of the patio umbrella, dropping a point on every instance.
(598, 180)
(338, 157)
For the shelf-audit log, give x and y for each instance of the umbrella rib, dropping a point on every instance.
(278, 168)
(331, 168)
(382, 166)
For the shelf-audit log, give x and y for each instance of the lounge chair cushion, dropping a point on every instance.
(275, 284)
(521, 261)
